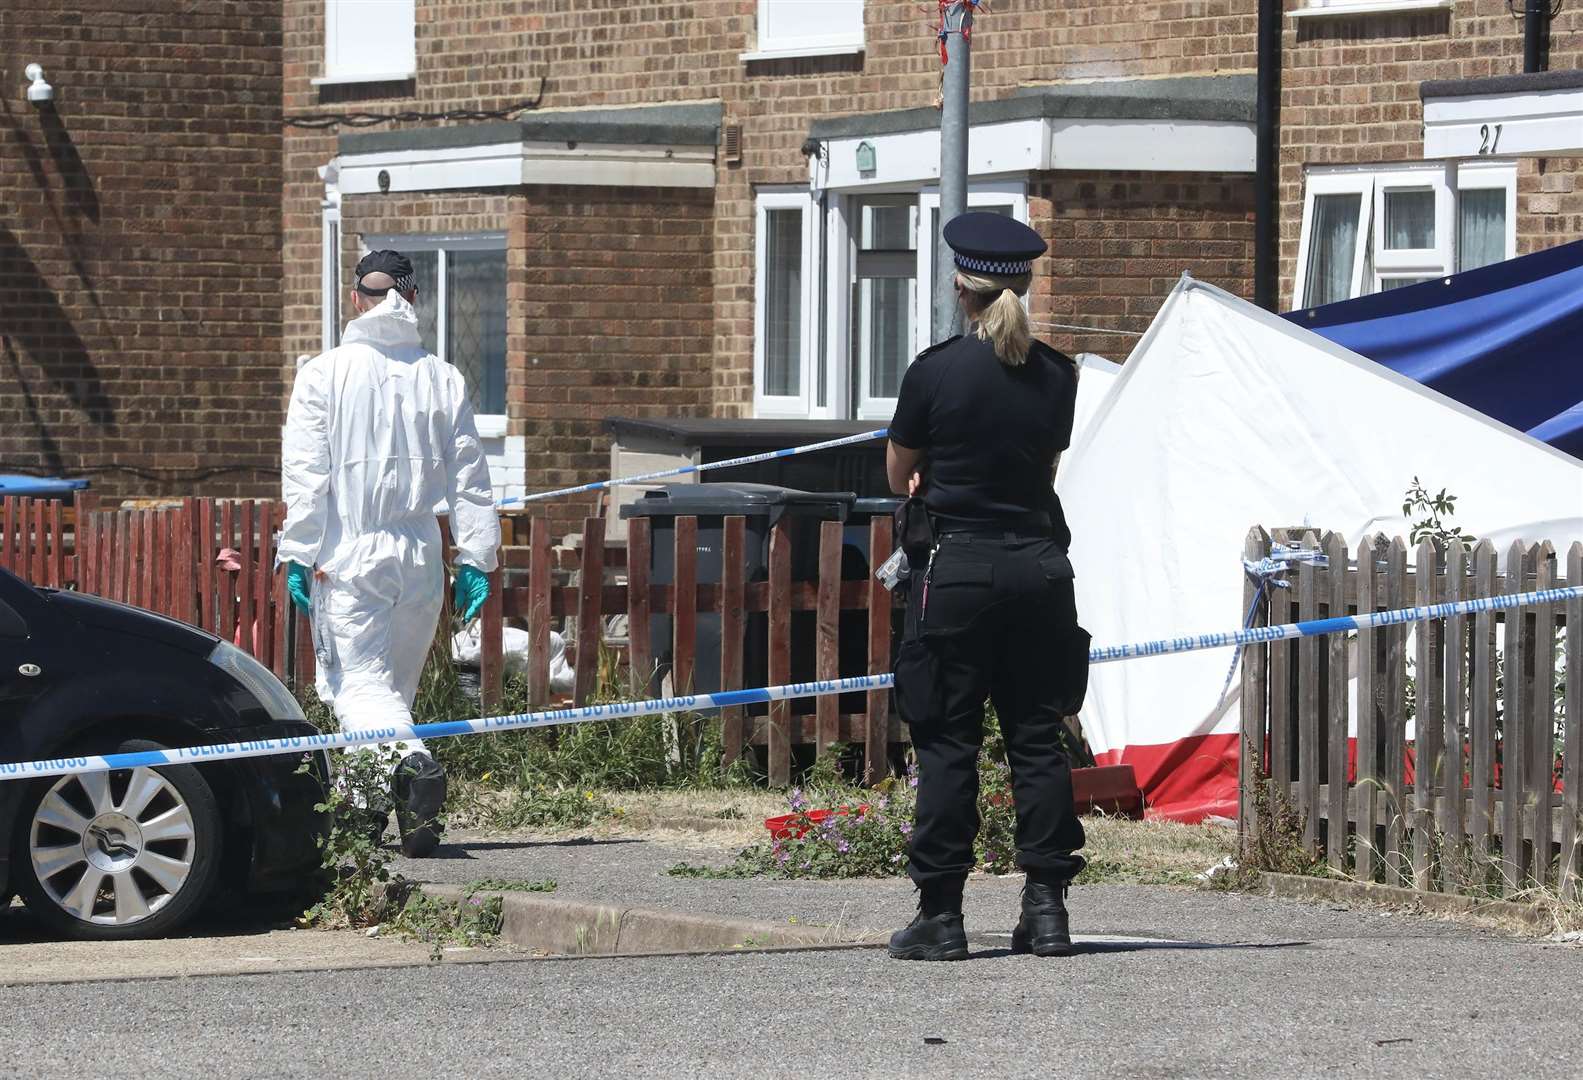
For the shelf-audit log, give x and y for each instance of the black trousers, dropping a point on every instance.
(993, 618)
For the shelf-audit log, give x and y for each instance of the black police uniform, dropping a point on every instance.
(991, 614)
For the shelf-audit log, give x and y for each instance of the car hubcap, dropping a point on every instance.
(112, 848)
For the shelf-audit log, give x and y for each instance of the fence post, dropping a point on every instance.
(8, 536)
(205, 551)
(1572, 760)
(780, 652)
(733, 551)
(1541, 774)
(590, 624)
(684, 605)
(876, 734)
(1482, 818)
(640, 649)
(1428, 721)
(1254, 700)
(1454, 761)
(1514, 736)
(491, 645)
(263, 610)
(827, 619)
(1308, 699)
(538, 610)
(1394, 711)
(1368, 787)
(57, 547)
(1337, 712)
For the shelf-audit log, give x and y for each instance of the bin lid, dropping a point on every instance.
(17, 484)
(748, 500)
(877, 505)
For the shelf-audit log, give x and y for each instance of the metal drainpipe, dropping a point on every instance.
(1536, 35)
(1266, 171)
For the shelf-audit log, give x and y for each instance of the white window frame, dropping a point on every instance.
(799, 404)
(1374, 265)
(490, 425)
(340, 19)
(989, 193)
(809, 43)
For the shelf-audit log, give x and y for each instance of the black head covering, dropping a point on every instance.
(394, 263)
(993, 244)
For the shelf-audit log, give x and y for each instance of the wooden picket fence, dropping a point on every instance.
(170, 561)
(733, 599)
(1483, 794)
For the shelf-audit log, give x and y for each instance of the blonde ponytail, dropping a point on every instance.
(1000, 317)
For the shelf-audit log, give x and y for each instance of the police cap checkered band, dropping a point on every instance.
(986, 243)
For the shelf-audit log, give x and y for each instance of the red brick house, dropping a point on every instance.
(724, 208)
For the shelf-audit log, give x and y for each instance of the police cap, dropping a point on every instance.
(993, 244)
(396, 266)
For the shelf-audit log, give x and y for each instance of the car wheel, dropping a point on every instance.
(124, 854)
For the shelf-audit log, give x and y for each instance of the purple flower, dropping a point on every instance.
(842, 847)
(912, 781)
(906, 829)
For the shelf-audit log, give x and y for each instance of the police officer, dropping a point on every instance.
(979, 421)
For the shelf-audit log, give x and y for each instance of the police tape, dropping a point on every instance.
(622, 710)
(750, 459)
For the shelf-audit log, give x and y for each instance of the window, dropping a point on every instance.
(1369, 230)
(462, 311)
(369, 41)
(1366, 7)
(784, 315)
(841, 306)
(808, 27)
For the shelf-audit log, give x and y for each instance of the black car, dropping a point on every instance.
(136, 852)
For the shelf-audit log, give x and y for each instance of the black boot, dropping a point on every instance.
(1042, 929)
(936, 933)
(418, 787)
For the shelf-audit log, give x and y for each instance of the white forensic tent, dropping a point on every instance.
(1224, 417)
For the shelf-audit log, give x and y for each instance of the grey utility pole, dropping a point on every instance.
(957, 25)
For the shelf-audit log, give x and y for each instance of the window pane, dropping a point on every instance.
(783, 271)
(886, 228)
(1481, 227)
(1409, 219)
(1332, 248)
(426, 273)
(475, 324)
(886, 326)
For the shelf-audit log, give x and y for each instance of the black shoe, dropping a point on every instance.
(418, 786)
(936, 933)
(1043, 929)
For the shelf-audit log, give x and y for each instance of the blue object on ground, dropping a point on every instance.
(17, 484)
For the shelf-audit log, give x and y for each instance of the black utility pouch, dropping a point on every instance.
(914, 533)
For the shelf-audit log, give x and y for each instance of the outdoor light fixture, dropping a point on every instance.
(38, 91)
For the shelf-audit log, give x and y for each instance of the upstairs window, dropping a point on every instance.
(1368, 230)
(369, 41)
(809, 27)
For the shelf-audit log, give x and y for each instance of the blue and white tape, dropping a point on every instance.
(750, 459)
(621, 710)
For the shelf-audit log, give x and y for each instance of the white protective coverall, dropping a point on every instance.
(379, 433)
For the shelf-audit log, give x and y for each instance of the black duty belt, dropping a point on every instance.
(1029, 526)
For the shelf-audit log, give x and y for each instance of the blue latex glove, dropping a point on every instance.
(299, 583)
(470, 591)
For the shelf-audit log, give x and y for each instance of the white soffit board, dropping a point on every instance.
(509, 164)
(1534, 123)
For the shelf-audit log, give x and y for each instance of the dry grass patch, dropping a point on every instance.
(1125, 852)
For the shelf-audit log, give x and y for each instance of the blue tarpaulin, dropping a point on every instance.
(1506, 339)
(16, 484)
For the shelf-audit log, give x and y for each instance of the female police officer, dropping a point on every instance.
(979, 422)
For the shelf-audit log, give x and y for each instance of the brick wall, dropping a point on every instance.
(1350, 94)
(492, 53)
(140, 226)
(1120, 241)
(612, 290)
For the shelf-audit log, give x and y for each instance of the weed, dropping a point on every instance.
(510, 885)
(1273, 845)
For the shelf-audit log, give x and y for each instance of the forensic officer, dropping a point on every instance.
(979, 421)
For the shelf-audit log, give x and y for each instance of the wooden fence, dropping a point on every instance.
(210, 563)
(1464, 772)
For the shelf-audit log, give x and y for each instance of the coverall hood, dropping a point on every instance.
(393, 324)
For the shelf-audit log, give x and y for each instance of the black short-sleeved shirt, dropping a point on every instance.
(990, 433)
